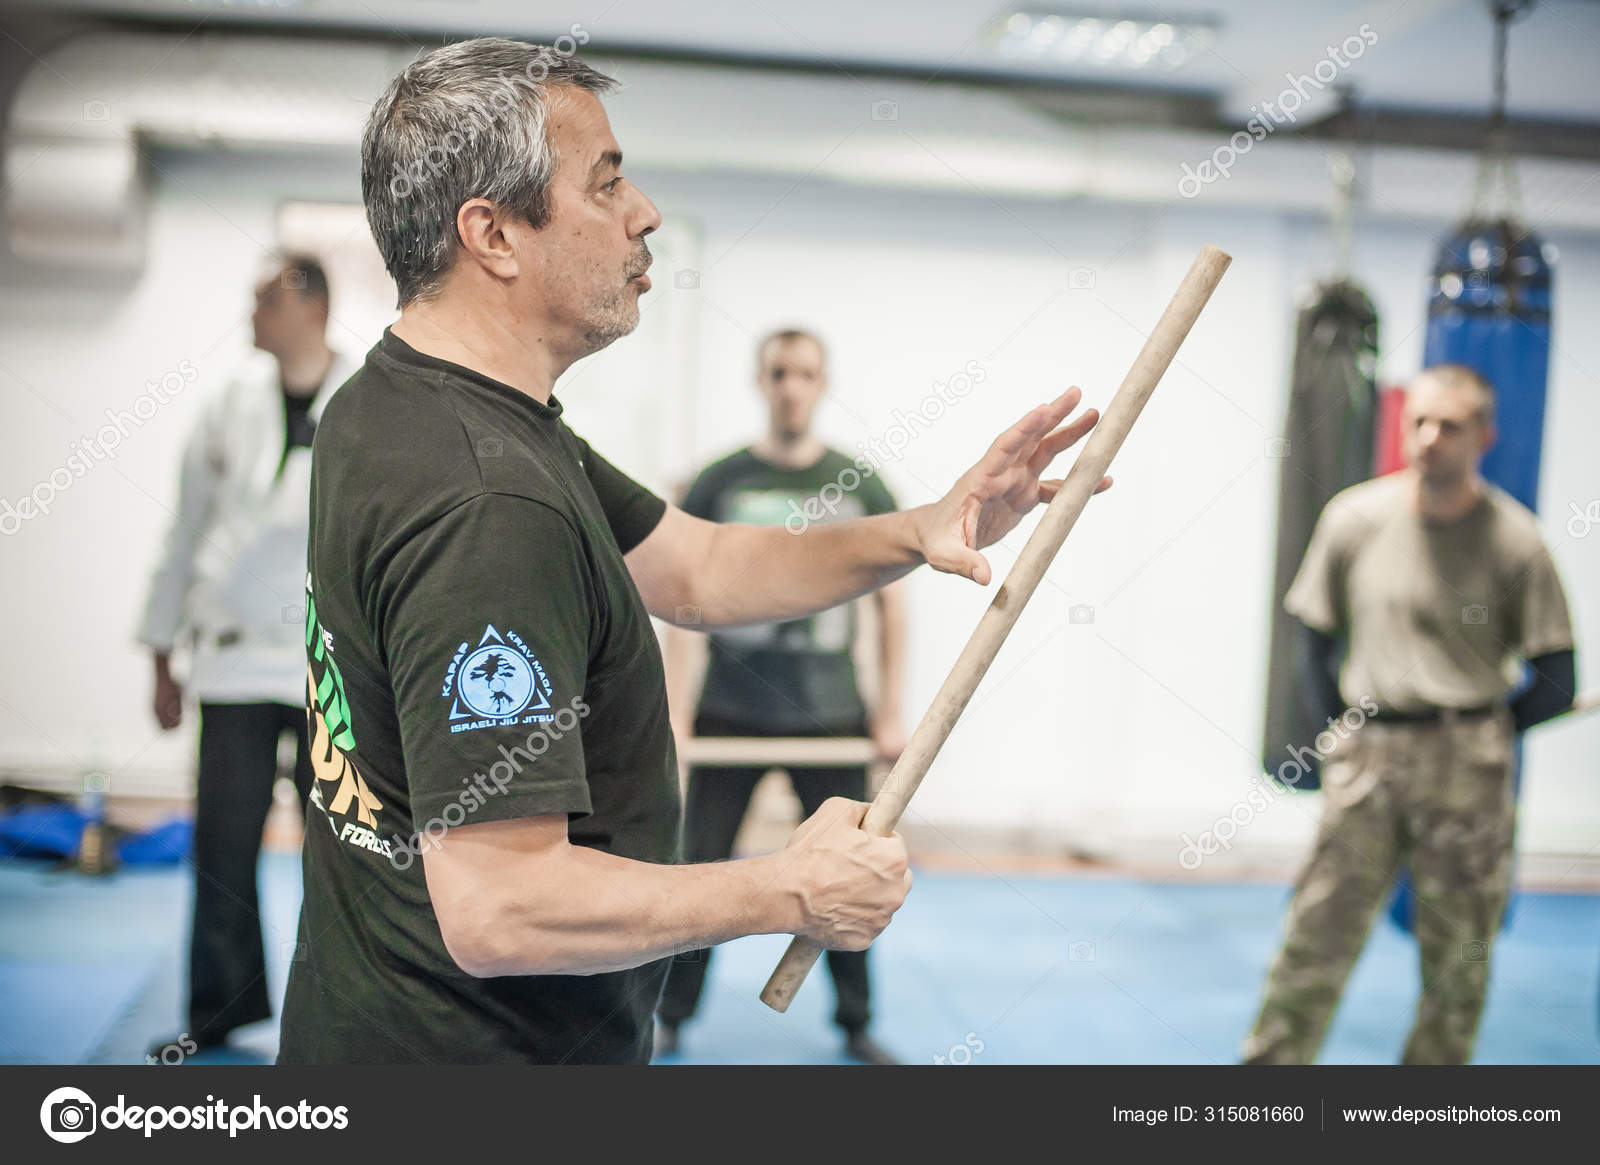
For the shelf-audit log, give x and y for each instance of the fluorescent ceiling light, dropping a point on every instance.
(1109, 40)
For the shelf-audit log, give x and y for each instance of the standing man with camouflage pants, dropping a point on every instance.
(1440, 584)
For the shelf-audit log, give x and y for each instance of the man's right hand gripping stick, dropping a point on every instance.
(1059, 516)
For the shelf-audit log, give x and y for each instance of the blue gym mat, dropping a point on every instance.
(977, 968)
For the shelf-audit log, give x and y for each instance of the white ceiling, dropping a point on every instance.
(1429, 54)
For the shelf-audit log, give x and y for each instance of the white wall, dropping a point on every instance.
(1134, 728)
(1145, 724)
(75, 691)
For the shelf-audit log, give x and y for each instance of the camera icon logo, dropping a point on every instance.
(1277, 447)
(686, 279)
(1475, 951)
(96, 111)
(1475, 615)
(1080, 613)
(885, 111)
(1081, 951)
(491, 447)
(1081, 278)
(67, 1115)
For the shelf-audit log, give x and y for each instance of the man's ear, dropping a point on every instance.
(481, 227)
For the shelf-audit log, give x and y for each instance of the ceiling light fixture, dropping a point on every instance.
(1114, 40)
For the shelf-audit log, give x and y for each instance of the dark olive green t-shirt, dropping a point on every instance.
(797, 675)
(477, 651)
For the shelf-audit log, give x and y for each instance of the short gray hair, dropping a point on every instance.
(1462, 376)
(469, 120)
(787, 336)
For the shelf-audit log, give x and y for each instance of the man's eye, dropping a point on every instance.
(612, 185)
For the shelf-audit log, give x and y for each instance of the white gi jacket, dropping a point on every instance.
(231, 577)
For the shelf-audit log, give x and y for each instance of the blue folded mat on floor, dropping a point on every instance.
(41, 831)
(163, 845)
(52, 832)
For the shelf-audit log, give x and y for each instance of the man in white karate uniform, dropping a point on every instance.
(230, 585)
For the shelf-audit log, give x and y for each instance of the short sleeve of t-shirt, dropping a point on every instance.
(484, 620)
(875, 496)
(1317, 595)
(631, 510)
(701, 500)
(1539, 609)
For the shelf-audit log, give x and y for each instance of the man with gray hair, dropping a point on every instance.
(1439, 584)
(486, 690)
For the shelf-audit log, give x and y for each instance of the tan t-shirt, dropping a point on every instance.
(1437, 614)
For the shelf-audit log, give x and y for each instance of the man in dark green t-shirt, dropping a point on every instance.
(490, 869)
(794, 678)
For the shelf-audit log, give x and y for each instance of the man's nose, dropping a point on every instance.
(646, 218)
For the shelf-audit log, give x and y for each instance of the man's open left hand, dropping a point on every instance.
(994, 495)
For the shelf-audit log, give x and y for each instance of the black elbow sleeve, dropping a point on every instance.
(1554, 687)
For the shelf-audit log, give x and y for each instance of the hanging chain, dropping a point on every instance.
(1502, 43)
(1497, 173)
(1342, 169)
(1344, 173)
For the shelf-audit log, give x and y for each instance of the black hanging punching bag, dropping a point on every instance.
(1329, 433)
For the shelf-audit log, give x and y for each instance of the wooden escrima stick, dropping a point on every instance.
(884, 813)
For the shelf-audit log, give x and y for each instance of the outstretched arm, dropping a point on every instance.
(705, 574)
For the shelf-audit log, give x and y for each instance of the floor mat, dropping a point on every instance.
(977, 969)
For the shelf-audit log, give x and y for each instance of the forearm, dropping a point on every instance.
(684, 653)
(1317, 662)
(891, 651)
(757, 574)
(161, 620)
(173, 577)
(573, 910)
(1551, 693)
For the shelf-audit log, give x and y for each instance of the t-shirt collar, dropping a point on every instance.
(395, 348)
(794, 470)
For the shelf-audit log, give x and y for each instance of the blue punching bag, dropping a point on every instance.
(1489, 308)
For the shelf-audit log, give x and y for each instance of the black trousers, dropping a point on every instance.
(238, 765)
(717, 799)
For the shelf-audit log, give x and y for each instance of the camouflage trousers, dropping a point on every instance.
(1436, 796)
